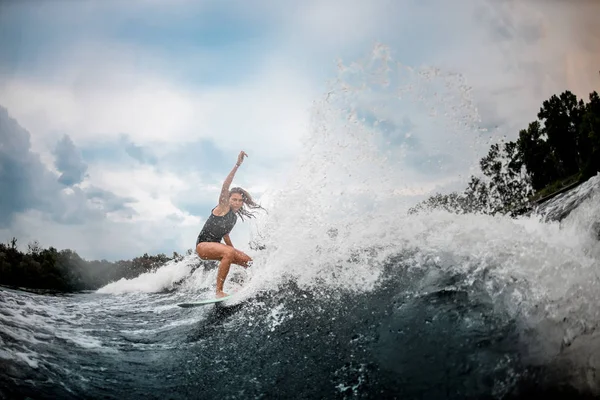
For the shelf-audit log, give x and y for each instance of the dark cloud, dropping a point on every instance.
(139, 153)
(69, 162)
(503, 29)
(80, 206)
(109, 201)
(553, 44)
(120, 151)
(26, 183)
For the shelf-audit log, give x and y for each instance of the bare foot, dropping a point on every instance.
(221, 294)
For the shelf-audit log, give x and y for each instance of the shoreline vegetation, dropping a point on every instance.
(50, 270)
(556, 152)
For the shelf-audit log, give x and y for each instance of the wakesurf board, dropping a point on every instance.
(205, 302)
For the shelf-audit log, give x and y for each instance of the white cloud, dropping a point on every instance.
(148, 110)
(153, 190)
(97, 98)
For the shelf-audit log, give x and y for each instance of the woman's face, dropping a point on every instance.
(236, 201)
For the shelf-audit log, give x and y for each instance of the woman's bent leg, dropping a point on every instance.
(227, 255)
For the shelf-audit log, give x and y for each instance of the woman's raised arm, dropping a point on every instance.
(224, 197)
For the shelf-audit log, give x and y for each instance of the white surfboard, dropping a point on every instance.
(205, 302)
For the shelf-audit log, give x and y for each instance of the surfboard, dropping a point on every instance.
(204, 302)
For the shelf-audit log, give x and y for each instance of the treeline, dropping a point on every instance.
(561, 147)
(65, 270)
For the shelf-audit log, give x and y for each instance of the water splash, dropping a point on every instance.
(383, 134)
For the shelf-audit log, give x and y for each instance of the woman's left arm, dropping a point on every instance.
(227, 240)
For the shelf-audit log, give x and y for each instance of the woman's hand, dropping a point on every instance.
(240, 159)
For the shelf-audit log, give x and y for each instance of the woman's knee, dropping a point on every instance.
(199, 251)
(229, 253)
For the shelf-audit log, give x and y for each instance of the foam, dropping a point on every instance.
(164, 277)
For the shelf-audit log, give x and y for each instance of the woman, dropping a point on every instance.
(220, 222)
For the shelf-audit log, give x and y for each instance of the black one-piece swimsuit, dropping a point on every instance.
(216, 227)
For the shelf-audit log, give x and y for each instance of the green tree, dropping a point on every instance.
(537, 156)
(508, 186)
(590, 128)
(561, 116)
(561, 147)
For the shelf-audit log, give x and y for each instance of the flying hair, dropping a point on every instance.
(248, 203)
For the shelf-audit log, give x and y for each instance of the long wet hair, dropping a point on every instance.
(248, 203)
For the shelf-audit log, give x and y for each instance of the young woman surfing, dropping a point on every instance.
(232, 203)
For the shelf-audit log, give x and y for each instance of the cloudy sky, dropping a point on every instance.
(119, 120)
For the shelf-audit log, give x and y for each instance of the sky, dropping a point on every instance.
(120, 120)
